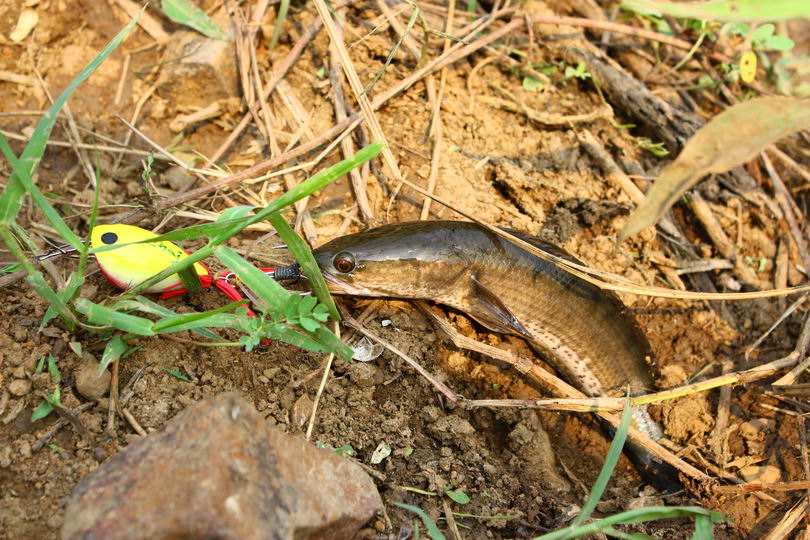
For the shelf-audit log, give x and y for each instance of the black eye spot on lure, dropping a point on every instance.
(109, 238)
(344, 262)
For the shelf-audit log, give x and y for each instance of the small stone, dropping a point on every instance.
(302, 410)
(25, 449)
(763, 474)
(5, 457)
(218, 470)
(89, 382)
(19, 387)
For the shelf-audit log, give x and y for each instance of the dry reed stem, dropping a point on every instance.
(347, 146)
(551, 119)
(357, 87)
(149, 24)
(326, 370)
(790, 520)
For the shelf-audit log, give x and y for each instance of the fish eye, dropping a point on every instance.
(344, 262)
(109, 238)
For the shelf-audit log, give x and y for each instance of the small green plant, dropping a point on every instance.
(580, 72)
(346, 451)
(177, 374)
(456, 495)
(658, 149)
(762, 37)
(53, 399)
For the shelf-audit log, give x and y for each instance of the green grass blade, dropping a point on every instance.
(24, 177)
(283, 6)
(299, 249)
(11, 198)
(638, 515)
(308, 187)
(102, 315)
(145, 305)
(431, 527)
(43, 410)
(612, 458)
(304, 189)
(66, 294)
(112, 352)
(279, 332)
(171, 324)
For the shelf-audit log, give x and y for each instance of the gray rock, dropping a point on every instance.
(218, 470)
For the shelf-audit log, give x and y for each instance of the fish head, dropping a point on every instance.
(408, 260)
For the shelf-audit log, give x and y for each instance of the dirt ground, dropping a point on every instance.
(497, 165)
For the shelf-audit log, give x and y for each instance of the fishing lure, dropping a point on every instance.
(131, 264)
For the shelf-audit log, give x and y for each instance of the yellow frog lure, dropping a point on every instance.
(131, 265)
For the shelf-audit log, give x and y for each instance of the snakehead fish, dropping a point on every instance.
(585, 332)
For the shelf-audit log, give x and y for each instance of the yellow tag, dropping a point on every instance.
(748, 66)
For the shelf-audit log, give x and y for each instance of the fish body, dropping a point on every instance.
(128, 266)
(585, 332)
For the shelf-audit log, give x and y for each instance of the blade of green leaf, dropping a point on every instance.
(730, 139)
(170, 323)
(300, 250)
(112, 352)
(611, 460)
(286, 334)
(725, 10)
(65, 294)
(185, 13)
(143, 304)
(38, 283)
(43, 410)
(11, 198)
(23, 176)
(431, 527)
(309, 186)
(333, 343)
(102, 315)
(190, 279)
(53, 369)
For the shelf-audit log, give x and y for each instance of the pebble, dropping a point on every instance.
(218, 470)
(302, 410)
(19, 387)
(89, 383)
(25, 449)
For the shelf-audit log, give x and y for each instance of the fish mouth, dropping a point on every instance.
(338, 286)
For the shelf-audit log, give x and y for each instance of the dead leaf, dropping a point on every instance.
(730, 139)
